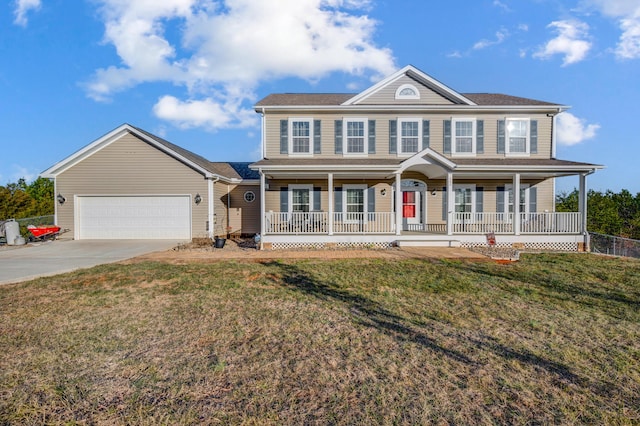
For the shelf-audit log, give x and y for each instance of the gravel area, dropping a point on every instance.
(203, 251)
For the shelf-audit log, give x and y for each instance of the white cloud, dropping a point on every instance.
(572, 130)
(627, 12)
(208, 113)
(21, 9)
(503, 6)
(501, 36)
(571, 42)
(227, 47)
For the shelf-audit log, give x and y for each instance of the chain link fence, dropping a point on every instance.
(36, 221)
(615, 246)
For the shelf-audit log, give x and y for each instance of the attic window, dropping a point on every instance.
(407, 91)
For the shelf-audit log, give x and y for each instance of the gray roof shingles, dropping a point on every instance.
(335, 99)
(230, 170)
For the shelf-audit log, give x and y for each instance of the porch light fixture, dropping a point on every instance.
(433, 192)
(383, 191)
(60, 198)
(198, 199)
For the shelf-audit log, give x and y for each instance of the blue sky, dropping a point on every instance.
(190, 70)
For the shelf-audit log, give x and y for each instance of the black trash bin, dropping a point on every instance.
(219, 242)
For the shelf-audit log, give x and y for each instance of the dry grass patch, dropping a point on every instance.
(551, 339)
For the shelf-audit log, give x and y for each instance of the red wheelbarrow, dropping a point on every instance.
(43, 232)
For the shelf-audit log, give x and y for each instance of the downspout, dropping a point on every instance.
(55, 203)
(228, 209)
(212, 213)
(262, 135)
(263, 224)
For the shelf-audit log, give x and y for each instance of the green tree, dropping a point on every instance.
(607, 213)
(19, 199)
(41, 192)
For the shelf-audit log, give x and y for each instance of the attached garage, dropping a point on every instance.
(131, 184)
(134, 217)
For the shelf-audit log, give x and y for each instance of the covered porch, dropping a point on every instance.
(425, 199)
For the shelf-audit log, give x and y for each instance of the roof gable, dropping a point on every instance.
(230, 172)
(435, 92)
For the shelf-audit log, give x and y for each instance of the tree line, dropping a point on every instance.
(607, 212)
(20, 199)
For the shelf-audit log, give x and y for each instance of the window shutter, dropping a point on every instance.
(338, 136)
(317, 198)
(500, 199)
(534, 136)
(337, 199)
(284, 136)
(533, 199)
(372, 136)
(480, 136)
(317, 136)
(447, 137)
(425, 134)
(284, 199)
(393, 136)
(371, 200)
(501, 137)
(479, 199)
(444, 203)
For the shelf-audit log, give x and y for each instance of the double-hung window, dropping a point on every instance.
(300, 136)
(524, 198)
(464, 136)
(300, 200)
(356, 136)
(517, 136)
(410, 134)
(464, 198)
(355, 202)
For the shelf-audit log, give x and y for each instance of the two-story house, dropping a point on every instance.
(410, 161)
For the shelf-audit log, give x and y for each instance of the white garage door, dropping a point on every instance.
(134, 217)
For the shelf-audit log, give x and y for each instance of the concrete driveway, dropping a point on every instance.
(56, 257)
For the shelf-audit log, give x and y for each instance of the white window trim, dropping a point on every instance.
(400, 120)
(523, 187)
(345, 138)
(290, 136)
(365, 200)
(472, 187)
(407, 86)
(506, 138)
(299, 186)
(474, 128)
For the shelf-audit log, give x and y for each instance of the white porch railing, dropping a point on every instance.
(384, 223)
(530, 223)
(481, 223)
(296, 223)
(363, 223)
(550, 223)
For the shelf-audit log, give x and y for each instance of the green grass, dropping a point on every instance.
(551, 339)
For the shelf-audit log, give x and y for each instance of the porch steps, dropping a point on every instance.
(427, 242)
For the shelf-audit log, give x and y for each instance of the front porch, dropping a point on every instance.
(423, 200)
(540, 231)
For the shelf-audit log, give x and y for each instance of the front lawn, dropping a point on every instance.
(551, 339)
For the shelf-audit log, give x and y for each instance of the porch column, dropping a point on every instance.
(262, 204)
(451, 203)
(331, 200)
(516, 204)
(398, 203)
(582, 207)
